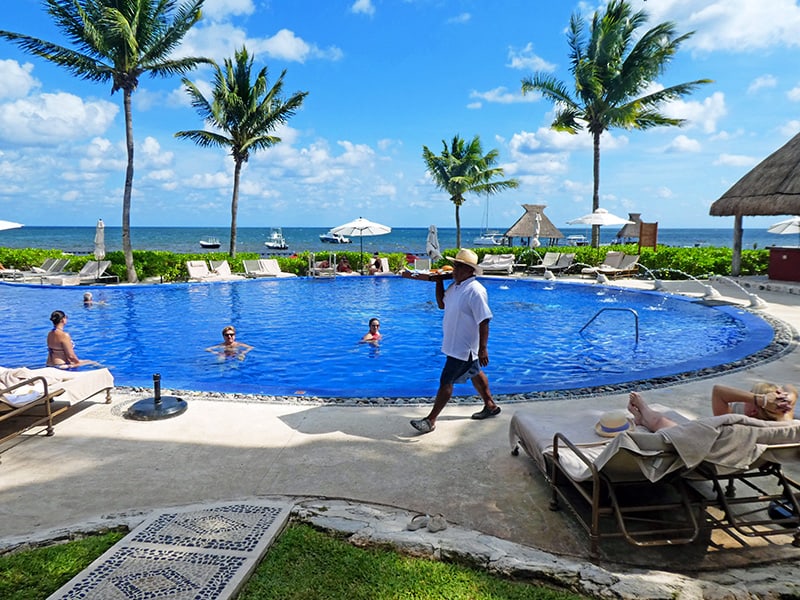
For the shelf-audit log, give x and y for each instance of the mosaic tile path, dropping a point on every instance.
(203, 552)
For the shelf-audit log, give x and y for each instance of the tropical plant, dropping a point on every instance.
(462, 168)
(244, 115)
(118, 41)
(614, 69)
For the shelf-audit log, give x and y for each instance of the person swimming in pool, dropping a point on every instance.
(765, 401)
(230, 348)
(373, 336)
(60, 348)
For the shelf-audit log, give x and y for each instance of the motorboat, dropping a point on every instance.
(577, 240)
(489, 238)
(334, 238)
(210, 242)
(276, 241)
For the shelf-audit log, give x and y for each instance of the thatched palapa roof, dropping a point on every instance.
(772, 187)
(631, 230)
(525, 225)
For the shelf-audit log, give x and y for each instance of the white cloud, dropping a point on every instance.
(51, 119)
(220, 9)
(765, 81)
(736, 160)
(790, 128)
(525, 59)
(683, 144)
(286, 45)
(703, 114)
(363, 7)
(16, 80)
(151, 152)
(501, 95)
(794, 94)
(460, 19)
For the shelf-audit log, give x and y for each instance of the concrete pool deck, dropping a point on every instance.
(101, 469)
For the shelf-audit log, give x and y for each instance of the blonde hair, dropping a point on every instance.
(769, 413)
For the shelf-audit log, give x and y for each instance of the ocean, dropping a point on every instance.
(80, 240)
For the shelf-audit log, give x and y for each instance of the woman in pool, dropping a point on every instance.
(765, 401)
(374, 334)
(60, 348)
(230, 348)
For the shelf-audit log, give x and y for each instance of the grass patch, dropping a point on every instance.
(35, 574)
(303, 563)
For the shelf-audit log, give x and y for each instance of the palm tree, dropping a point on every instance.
(118, 41)
(244, 115)
(612, 66)
(463, 168)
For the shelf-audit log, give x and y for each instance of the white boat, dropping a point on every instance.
(276, 241)
(577, 240)
(489, 238)
(209, 242)
(334, 238)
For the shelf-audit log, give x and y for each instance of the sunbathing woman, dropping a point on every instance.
(60, 348)
(766, 401)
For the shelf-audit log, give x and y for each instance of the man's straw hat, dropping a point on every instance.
(612, 423)
(467, 257)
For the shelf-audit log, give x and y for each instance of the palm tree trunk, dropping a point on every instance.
(458, 228)
(595, 185)
(235, 207)
(127, 249)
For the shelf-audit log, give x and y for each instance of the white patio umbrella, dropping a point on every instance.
(99, 243)
(432, 244)
(361, 227)
(786, 227)
(9, 225)
(599, 217)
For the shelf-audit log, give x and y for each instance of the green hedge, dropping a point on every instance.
(671, 263)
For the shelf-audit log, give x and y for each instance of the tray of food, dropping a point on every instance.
(446, 272)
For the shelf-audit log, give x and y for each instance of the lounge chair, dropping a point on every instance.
(385, 269)
(550, 259)
(272, 268)
(253, 268)
(497, 263)
(92, 272)
(321, 268)
(199, 271)
(49, 267)
(222, 269)
(564, 262)
(28, 396)
(612, 260)
(648, 487)
(628, 266)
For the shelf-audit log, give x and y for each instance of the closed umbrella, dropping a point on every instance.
(99, 243)
(786, 227)
(9, 225)
(361, 227)
(432, 244)
(537, 227)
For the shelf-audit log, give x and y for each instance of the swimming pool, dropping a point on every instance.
(306, 334)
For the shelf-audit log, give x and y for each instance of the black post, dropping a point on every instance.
(157, 388)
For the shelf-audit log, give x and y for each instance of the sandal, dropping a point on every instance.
(437, 523)
(417, 522)
(423, 425)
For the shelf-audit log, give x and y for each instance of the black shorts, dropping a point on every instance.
(458, 371)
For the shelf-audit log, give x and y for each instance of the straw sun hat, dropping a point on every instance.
(612, 423)
(466, 257)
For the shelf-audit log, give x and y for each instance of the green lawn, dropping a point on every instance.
(302, 564)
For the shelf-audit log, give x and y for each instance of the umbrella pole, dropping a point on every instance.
(361, 238)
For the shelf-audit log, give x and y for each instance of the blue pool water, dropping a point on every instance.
(306, 334)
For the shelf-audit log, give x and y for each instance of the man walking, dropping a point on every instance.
(465, 330)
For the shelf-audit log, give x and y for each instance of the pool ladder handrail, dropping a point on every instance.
(619, 309)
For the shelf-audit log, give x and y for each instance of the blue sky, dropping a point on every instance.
(386, 77)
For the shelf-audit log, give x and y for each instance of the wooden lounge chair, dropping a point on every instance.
(648, 487)
(34, 397)
(549, 259)
(564, 262)
(497, 263)
(628, 266)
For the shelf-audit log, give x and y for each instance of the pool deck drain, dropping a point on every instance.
(197, 552)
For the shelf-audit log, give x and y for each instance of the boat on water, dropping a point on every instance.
(209, 242)
(334, 238)
(577, 240)
(489, 238)
(276, 241)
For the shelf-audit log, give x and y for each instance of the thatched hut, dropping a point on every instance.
(631, 230)
(772, 187)
(526, 225)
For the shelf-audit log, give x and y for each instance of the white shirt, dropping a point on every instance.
(466, 305)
